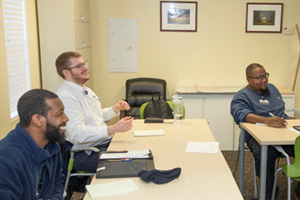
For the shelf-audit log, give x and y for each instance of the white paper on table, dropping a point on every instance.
(149, 132)
(261, 124)
(202, 147)
(294, 130)
(112, 188)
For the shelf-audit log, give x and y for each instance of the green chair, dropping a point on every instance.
(291, 171)
(143, 106)
(70, 173)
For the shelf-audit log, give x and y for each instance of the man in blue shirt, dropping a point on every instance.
(253, 104)
(30, 159)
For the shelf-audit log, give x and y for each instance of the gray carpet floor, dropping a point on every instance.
(230, 157)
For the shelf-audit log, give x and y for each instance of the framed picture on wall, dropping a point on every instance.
(178, 16)
(264, 17)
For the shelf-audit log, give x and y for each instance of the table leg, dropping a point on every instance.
(263, 171)
(242, 160)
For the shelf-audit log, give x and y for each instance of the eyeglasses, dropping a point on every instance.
(79, 66)
(261, 77)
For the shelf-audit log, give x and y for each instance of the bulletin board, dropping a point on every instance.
(122, 45)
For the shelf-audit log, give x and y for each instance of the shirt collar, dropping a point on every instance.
(259, 92)
(83, 90)
(73, 85)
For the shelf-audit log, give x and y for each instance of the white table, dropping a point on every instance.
(265, 136)
(203, 176)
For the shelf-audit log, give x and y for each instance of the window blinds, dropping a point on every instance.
(15, 32)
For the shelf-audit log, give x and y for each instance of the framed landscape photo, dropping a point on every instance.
(178, 16)
(264, 17)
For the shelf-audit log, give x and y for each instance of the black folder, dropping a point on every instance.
(118, 169)
(124, 167)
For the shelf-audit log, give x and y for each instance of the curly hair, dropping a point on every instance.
(34, 102)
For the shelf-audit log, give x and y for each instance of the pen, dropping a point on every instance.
(120, 160)
(126, 160)
(114, 152)
(100, 168)
(271, 114)
(275, 116)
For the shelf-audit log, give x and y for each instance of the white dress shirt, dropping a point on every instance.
(86, 117)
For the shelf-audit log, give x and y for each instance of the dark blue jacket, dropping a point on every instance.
(23, 164)
(248, 101)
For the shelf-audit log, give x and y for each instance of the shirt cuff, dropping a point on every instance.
(112, 112)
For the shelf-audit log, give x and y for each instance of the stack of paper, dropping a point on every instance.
(144, 153)
(186, 89)
(218, 89)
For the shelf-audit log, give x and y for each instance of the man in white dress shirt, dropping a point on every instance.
(83, 108)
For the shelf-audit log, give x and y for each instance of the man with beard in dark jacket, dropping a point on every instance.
(30, 159)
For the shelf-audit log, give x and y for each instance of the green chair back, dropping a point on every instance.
(293, 171)
(142, 109)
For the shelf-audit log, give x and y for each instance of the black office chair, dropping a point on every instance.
(141, 90)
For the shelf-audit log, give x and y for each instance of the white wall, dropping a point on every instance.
(218, 52)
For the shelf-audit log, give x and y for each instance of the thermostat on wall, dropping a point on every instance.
(288, 30)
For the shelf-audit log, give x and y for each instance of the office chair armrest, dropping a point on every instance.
(78, 148)
(280, 149)
(92, 144)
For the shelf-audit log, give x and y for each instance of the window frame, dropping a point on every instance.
(16, 51)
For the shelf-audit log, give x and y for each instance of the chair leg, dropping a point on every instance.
(275, 183)
(277, 167)
(254, 171)
(289, 188)
(66, 184)
(254, 178)
(236, 161)
(70, 167)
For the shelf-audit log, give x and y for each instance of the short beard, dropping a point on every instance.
(264, 91)
(53, 135)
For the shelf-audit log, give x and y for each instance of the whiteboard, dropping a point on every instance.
(122, 45)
